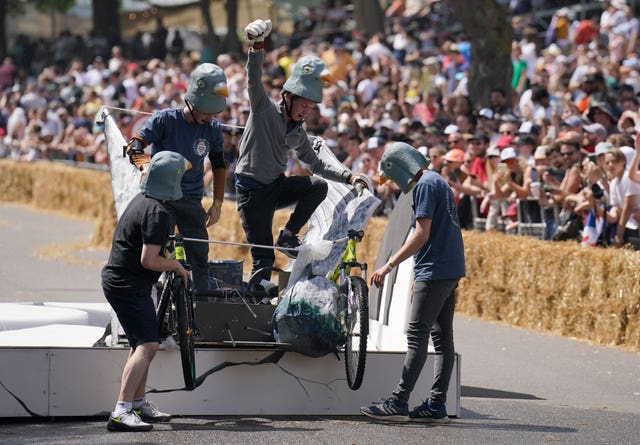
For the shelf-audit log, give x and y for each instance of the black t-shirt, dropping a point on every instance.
(144, 221)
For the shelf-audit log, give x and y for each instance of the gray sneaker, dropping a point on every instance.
(426, 413)
(150, 413)
(127, 421)
(287, 242)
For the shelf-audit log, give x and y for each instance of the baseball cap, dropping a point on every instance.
(597, 129)
(374, 142)
(451, 128)
(454, 155)
(529, 127)
(573, 121)
(508, 153)
(603, 147)
(504, 141)
(493, 151)
(540, 153)
(486, 113)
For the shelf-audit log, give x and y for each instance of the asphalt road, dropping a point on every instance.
(518, 386)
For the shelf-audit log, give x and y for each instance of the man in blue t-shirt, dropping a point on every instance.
(438, 253)
(192, 132)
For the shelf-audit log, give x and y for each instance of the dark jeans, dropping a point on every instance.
(192, 223)
(431, 313)
(257, 207)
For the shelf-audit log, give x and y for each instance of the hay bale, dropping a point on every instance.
(586, 293)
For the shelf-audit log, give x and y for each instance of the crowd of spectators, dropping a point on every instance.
(554, 150)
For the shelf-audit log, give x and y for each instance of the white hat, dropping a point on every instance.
(373, 143)
(540, 153)
(493, 151)
(508, 153)
(603, 147)
(451, 129)
(486, 112)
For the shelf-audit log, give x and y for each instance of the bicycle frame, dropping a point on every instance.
(349, 259)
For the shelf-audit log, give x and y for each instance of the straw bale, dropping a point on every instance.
(591, 294)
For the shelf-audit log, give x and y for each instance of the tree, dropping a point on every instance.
(232, 43)
(106, 20)
(488, 28)
(210, 39)
(369, 17)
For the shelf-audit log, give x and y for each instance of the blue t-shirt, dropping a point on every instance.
(169, 130)
(442, 256)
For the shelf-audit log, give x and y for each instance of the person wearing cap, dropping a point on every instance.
(593, 135)
(486, 121)
(494, 203)
(193, 132)
(438, 251)
(601, 113)
(525, 144)
(273, 130)
(452, 168)
(134, 266)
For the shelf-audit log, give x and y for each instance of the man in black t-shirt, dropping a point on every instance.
(135, 263)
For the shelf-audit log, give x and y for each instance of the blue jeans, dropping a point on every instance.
(431, 313)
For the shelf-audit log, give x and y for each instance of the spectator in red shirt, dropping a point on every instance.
(585, 31)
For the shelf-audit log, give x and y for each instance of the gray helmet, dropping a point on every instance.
(207, 90)
(400, 163)
(307, 79)
(164, 175)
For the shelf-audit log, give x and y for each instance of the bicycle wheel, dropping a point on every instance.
(186, 338)
(355, 349)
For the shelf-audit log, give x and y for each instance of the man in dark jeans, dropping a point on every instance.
(134, 266)
(271, 132)
(438, 252)
(193, 132)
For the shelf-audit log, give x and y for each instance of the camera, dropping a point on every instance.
(597, 191)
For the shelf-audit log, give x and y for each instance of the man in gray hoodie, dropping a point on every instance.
(271, 131)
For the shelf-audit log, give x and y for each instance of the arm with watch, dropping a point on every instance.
(414, 242)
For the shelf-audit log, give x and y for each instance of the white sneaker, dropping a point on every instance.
(150, 413)
(127, 421)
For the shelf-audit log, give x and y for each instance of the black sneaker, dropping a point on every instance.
(151, 414)
(425, 413)
(390, 409)
(127, 421)
(288, 242)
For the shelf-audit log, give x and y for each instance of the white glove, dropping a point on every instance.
(257, 30)
(361, 183)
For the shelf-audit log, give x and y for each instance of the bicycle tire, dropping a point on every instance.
(185, 332)
(355, 348)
